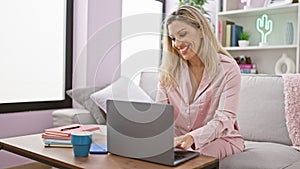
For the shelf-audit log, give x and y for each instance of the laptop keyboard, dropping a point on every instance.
(184, 154)
(178, 156)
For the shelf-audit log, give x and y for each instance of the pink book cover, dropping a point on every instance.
(55, 136)
(66, 130)
(246, 66)
(220, 33)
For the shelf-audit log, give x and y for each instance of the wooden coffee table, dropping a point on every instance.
(31, 146)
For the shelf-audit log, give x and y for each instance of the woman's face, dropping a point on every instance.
(185, 39)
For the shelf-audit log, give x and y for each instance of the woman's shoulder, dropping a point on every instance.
(226, 59)
(228, 63)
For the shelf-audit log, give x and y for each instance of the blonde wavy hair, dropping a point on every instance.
(172, 63)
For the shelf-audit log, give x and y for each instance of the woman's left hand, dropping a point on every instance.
(184, 141)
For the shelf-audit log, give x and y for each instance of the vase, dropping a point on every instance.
(284, 65)
(289, 33)
(243, 43)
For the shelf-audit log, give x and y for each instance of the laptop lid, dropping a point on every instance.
(142, 131)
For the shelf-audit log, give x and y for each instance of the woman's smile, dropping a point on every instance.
(184, 50)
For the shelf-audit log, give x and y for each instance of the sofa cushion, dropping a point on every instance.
(259, 155)
(62, 117)
(149, 83)
(122, 89)
(82, 96)
(261, 115)
(295, 165)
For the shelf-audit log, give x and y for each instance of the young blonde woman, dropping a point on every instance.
(202, 82)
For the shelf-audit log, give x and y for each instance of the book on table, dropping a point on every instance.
(56, 143)
(68, 129)
(61, 136)
(59, 145)
(54, 136)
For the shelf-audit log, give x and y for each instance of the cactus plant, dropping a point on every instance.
(264, 26)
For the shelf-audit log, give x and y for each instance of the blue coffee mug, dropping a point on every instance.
(81, 142)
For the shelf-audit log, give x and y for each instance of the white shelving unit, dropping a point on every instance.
(264, 57)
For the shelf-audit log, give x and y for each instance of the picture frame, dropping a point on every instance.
(269, 3)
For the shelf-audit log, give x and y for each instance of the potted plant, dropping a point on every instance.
(199, 4)
(244, 39)
(195, 3)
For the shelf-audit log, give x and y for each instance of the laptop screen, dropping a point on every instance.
(141, 130)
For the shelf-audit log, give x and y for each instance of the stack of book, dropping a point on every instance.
(248, 68)
(61, 136)
(229, 33)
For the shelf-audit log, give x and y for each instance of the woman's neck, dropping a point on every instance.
(195, 62)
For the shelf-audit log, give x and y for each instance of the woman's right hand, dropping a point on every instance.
(177, 140)
(184, 141)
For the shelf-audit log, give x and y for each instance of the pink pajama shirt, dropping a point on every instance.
(211, 118)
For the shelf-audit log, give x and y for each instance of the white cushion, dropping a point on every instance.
(261, 115)
(64, 117)
(82, 96)
(122, 89)
(149, 83)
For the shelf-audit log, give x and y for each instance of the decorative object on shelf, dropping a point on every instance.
(265, 27)
(284, 65)
(243, 59)
(245, 64)
(269, 3)
(289, 33)
(247, 6)
(244, 39)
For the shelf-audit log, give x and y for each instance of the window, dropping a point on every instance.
(141, 36)
(35, 54)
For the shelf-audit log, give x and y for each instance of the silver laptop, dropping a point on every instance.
(143, 131)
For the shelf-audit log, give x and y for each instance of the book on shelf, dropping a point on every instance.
(221, 5)
(247, 66)
(228, 35)
(68, 129)
(248, 71)
(222, 31)
(236, 30)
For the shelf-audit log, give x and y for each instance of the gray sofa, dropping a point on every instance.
(261, 119)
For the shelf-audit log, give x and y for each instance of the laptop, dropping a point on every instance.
(144, 131)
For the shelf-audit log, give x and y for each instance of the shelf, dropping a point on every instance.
(291, 8)
(265, 57)
(261, 47)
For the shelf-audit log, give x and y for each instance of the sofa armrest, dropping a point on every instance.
(63, 117)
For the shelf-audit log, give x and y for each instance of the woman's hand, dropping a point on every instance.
(184, 141)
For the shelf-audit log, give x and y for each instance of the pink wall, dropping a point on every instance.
(103, 45)
(100, 16)
(17, 124)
